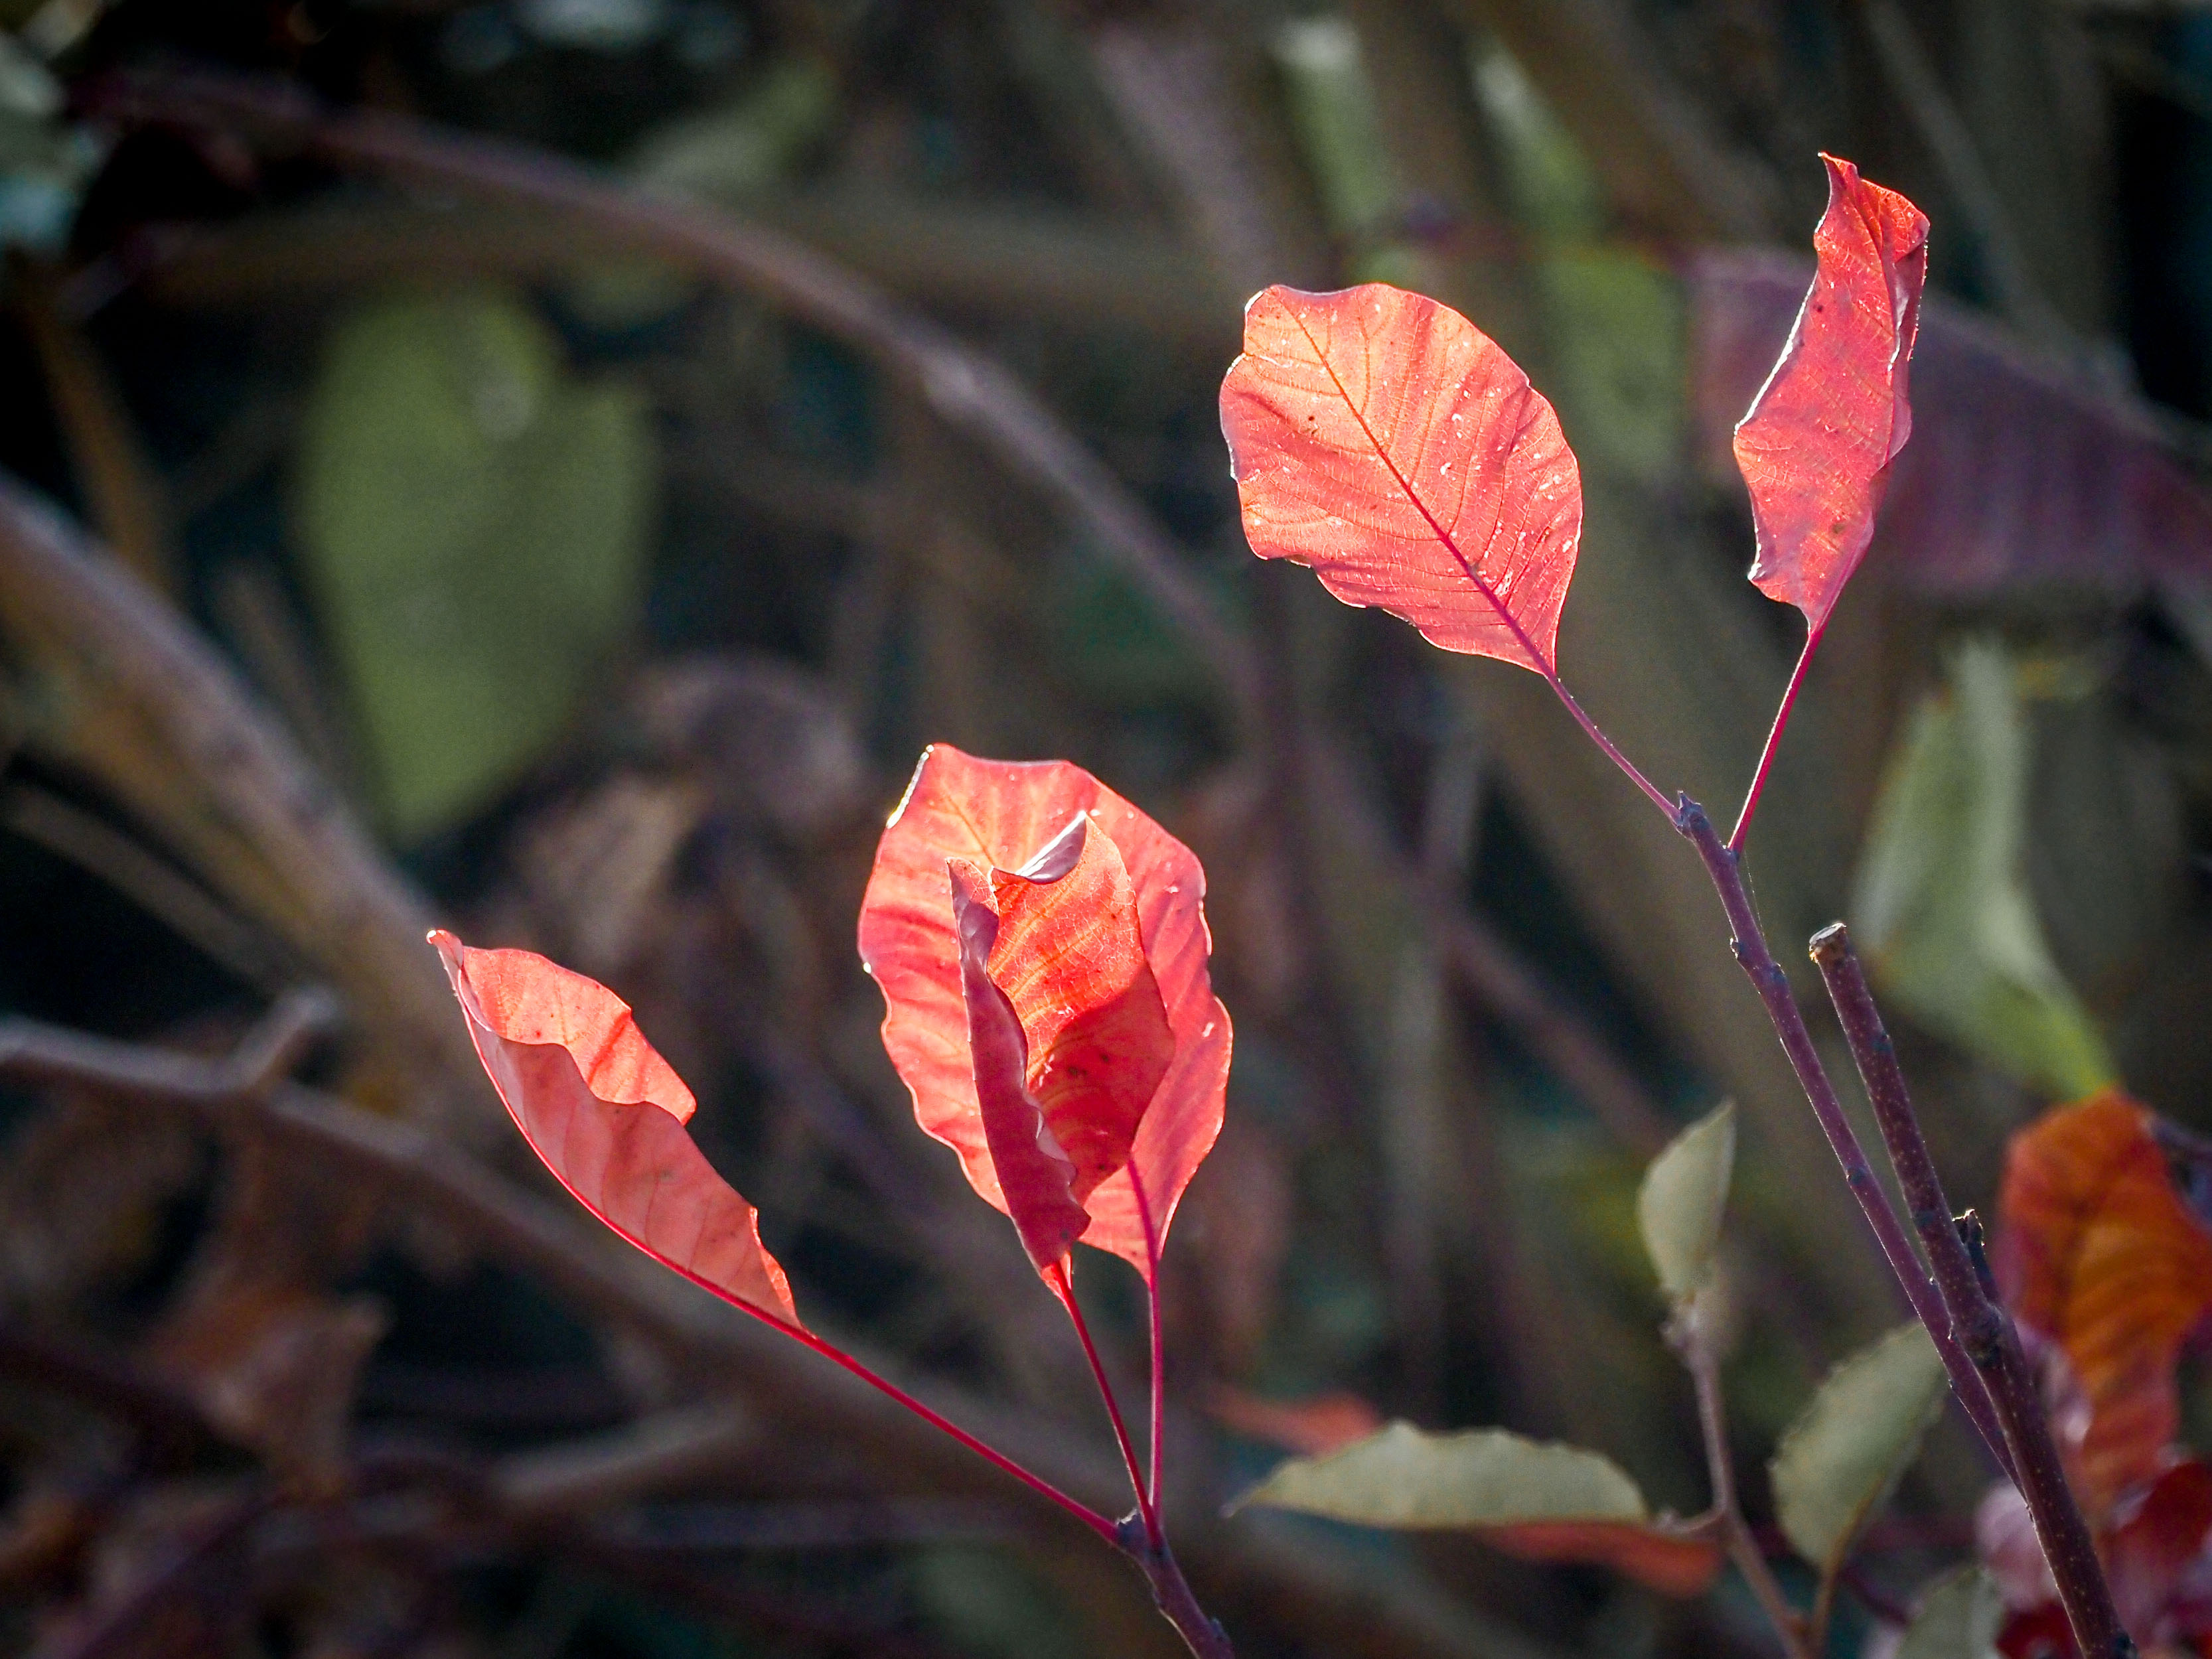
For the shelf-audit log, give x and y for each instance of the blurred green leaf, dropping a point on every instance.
(1958, 1618)
(1617, 335)
(1838, 1462)
(1942, 907)
(1684, 1193)
(473, 523)
(734, 152)
(1402, 1477)
(1556, 193)
(1333, 115)
(1542, 1502)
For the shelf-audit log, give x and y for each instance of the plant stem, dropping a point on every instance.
(1690, 1341)
(1774, 739)
(1726, 869)
(1976, 1316)
(1172, 1594)
(1064, 1288)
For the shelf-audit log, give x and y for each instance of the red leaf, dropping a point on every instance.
(1036, 1176)
(2154, 1556)
(1816, 446)
(1386, 441)
(1070, 957)
(2100, 1254)
(1000, 815)
(2019, 472)
(1659, 1560)
(606, 1114)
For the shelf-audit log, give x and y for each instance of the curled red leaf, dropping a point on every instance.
(1816, 447)
(2100, 1254)
(1070, 957)
(1063, 960)
(2022, 471)
(1036, 1177)
(1386, 441)
(606, 1114)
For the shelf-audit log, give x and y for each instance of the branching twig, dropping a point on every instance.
(1690, 1339)
(1726, 869)
(1977, 1319)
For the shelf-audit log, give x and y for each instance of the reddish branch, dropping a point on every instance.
(1977, 1320)
(1749, 942)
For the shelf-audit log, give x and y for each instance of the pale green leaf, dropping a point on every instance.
(1684, 1193)
(1334, 116)
(1840, 1459)
(1958, 1618)
(1942, 907)
(1617, 332)
(1402, 1477)
(472, 522)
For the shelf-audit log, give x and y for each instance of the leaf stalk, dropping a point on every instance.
(1813, 636)
(1692, 1342)
(1064, 1288)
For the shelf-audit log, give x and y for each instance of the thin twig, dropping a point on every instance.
(1690, 1339)
(230, 791)
(1766, 977)
(143, 876)
(117, 1630)
(1977, 1318)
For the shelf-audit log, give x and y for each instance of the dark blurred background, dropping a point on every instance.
(583, 559)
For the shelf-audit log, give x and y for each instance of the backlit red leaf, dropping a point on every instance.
(1655, 1557)
(2021, 470)
(1388, 443)
(1035, 1175)
(1001, 816)
(1816, 447)
(2100, 1254)
(1070, 957)
(2155, 1553)
(606, 1114)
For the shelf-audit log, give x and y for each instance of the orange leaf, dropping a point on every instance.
(1070, 957)
(1312, 1427)
(1001, 815)
(1388, 443)
(1816, 446)
(2100, 1254)
(1666, 1562)
(606, 1114)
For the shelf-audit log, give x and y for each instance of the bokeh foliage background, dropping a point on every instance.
(485, 558)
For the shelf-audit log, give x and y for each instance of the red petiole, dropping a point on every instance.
(1064, 1289)
(1036, 1483)
(1774, 737)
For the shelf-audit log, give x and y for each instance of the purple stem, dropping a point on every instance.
(1976, 1318)
(1726, 869)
